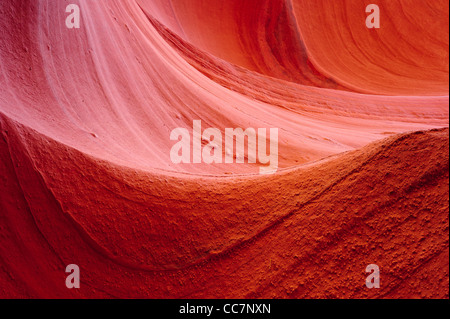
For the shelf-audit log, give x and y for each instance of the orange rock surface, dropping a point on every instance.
(86, 116)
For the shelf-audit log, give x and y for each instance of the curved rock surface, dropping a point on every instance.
(86, 116)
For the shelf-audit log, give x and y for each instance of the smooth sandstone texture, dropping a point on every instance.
(86, 116)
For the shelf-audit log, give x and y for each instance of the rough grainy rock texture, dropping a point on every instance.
(85, 169)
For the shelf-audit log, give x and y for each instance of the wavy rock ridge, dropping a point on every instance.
(86, 116)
